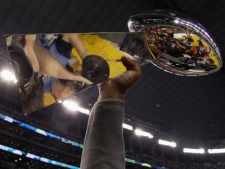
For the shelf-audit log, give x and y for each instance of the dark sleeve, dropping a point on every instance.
(104, 144)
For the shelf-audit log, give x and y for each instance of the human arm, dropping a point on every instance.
(104, 144)
(44, 63)
(75, 40)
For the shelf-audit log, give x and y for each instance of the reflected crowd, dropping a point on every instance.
(180, 49)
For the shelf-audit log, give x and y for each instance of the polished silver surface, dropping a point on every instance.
(177, 43)
(59, 68)
(52, 67)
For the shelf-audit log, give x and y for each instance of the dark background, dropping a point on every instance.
(188, 110)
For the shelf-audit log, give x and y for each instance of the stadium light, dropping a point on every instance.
(143, 133)
(176, 21)
(71, 105)
(167, 143)
(126, 126)
(216, 151)
(195, 151)
(8, 75)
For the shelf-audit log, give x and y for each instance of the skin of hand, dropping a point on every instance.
(117, 86)
(44, 63)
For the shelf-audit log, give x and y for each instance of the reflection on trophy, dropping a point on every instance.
(177, 43)
(52, 67)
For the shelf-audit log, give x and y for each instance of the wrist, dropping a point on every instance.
(104, 96)
(110, 91)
